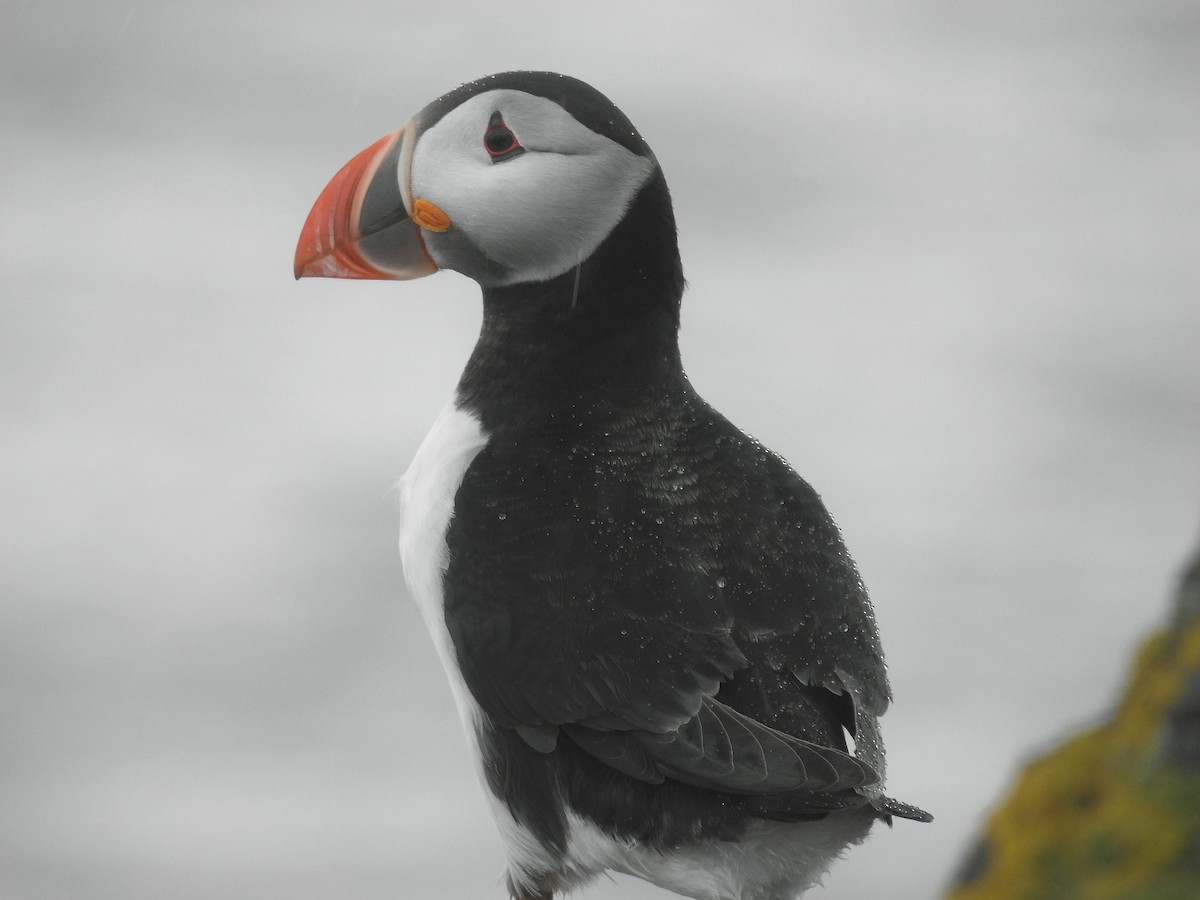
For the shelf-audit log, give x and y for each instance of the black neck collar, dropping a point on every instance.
(598, 335)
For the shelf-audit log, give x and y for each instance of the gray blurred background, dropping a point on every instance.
(943, 257)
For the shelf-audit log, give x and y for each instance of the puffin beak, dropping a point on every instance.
(362, 223)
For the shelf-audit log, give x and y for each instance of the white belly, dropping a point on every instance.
(771, 861)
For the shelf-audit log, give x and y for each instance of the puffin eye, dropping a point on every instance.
(499, 141)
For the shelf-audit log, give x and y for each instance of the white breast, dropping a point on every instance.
(426, 504)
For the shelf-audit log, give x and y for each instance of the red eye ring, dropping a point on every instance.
(499, 140)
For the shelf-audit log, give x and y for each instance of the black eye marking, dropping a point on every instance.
(499, 141)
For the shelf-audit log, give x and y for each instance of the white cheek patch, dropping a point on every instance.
(537, 214)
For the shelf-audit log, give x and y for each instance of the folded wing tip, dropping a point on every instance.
(889, 807)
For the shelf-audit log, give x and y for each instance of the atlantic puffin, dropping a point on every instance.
(663, 656)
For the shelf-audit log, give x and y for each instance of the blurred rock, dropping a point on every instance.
(1113, 812)
(1181, 731)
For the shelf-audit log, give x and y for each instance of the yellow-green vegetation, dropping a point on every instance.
(1105, 816)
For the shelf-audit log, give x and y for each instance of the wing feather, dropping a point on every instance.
(637, 566)
(723, 750)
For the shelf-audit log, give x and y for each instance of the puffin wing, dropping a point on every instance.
(721, 749)
(623, 582)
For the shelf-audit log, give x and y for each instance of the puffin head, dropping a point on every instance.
(515, 178)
